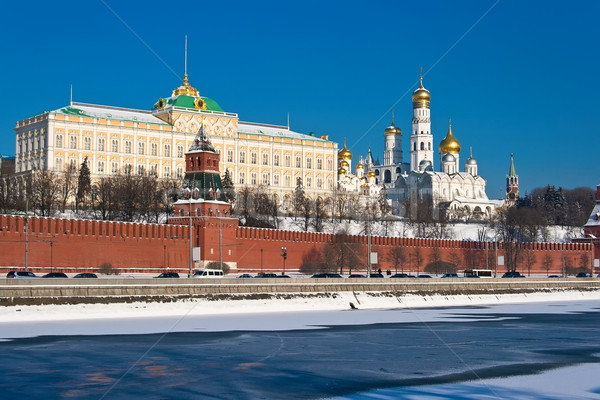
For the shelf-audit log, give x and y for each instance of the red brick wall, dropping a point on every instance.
(80, 245)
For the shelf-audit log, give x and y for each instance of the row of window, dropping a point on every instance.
(114, 146)
(277, 160)
(266, 180)
(141, 150)
(127, 168)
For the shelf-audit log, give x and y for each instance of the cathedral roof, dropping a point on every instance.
(449, 144)
(421, 94)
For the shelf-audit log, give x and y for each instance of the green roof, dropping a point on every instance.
(204, 182)
(188, 102)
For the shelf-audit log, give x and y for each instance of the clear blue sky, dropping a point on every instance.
(524, 80)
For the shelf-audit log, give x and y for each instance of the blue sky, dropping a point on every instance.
(523, 79)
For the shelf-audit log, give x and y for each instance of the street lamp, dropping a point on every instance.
(261, 261)
(284, 255)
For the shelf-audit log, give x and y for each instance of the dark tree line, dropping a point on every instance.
(564, 207)
(119, 197)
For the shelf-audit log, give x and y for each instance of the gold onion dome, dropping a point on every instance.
(371, 174)
(421, 94)
(345, 154)
(450, 144)
(393, 130)
(341, 171)
(360, 166)
(186, 89)
(344, 164)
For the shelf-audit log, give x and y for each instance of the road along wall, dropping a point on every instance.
(90, 291)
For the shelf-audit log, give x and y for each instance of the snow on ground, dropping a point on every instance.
(270, 314)
(401, 228)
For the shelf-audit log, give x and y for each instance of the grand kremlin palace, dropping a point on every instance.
(120, 140)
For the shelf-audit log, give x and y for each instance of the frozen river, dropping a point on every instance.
(547, 350)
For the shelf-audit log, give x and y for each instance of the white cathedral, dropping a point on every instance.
(458, 195)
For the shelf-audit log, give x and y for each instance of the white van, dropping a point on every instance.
(208, 273)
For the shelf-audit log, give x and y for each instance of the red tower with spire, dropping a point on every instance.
(512, 184)
(202, 204)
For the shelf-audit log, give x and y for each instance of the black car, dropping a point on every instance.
(283, 276)
(583, 275)
(554, 276)
(450, 275)
(55, 275)
(399, 276)
(356, 276)
(168, 275)
(376, 275)
(513, 274)
(245, 276)
(85, 275)
(424, 276)
(266, 275)
(326, 275)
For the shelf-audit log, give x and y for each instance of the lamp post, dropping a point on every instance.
(190, 229)
(261, 261)
(26, 235)
(284, 256)
(51, 266)
(164, 257)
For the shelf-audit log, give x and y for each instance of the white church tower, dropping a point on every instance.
(421, 139)
(393, 144)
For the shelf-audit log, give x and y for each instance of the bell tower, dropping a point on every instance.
(421, 139)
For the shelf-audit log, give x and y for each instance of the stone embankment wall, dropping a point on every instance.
(88, 291)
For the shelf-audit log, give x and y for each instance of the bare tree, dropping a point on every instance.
(529, 259)
(547, 263)
(43, 191)
(397, 256)
(417, 256)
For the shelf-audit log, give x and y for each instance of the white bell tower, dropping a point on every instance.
(421, 139)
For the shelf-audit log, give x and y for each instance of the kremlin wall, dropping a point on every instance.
(71, 245)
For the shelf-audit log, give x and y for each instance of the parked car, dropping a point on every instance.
(451, 275)
(21, 274)
(85, 275)
(168, 275)
(55, 275)
(326, 275)
(376, 275)
(554, 276)
(583, 275)
(424, 276)
(283, 276)
(513, 274)
(245, 276)
(399, 276)
(266, 275)
(356, 276)
(208, 273)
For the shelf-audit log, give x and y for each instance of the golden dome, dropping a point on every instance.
(186, 89)
(345, 154)
(449, 144)
(371, 174)
(344, 164)
(393, 130)
(421, 94)
(341, 171)
(360, 166)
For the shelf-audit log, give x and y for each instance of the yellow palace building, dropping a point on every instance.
(126, 141)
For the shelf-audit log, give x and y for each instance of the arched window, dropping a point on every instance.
(422, 146)
(387, 176)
